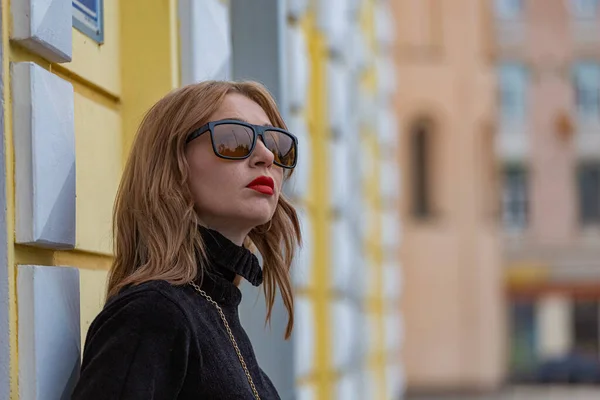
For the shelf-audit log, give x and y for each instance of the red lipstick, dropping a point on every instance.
(263, 184)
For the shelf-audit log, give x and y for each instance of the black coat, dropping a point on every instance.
(156, 341)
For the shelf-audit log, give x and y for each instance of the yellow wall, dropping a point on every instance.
(114, 84)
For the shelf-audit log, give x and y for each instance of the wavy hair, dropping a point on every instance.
(155, 227)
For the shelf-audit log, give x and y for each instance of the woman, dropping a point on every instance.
(202, 185)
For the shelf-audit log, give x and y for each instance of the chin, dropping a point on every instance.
(258, 219)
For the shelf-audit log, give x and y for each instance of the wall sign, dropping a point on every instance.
(88, 18)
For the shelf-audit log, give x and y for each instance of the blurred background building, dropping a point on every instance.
(548, 145)
(453, 300)
(77, 77)
(499, 109)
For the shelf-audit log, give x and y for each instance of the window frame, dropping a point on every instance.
(594, 219)
(521, 200)
(513, 83)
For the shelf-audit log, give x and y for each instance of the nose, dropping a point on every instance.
(261, 156)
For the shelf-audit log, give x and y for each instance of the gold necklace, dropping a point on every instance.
(231, 338)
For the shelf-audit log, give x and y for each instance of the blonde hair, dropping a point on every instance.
(155, 227)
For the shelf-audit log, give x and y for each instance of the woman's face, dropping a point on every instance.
(224, 197)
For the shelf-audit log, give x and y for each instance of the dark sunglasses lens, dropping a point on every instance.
(232, 140)
(282, 146)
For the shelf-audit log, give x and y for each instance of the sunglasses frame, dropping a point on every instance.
(258, 130)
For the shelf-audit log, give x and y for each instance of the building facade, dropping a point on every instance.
(77, 77)
(548, 66)
(450, 249)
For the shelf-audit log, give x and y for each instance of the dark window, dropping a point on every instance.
(585, 327)
(589, 194)
(420, 148)
(515, 198)
(523, 358)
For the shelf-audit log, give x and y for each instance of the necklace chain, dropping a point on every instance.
(231, 337)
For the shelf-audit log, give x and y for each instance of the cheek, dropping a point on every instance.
(200, 176)
(278, 178)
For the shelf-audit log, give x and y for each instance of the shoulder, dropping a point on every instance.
(145, 305)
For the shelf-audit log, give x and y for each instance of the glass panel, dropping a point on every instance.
(508, 9)
(585, 328)
(584, 8)
(586, 83)
(523, 359)
(589, 194)
(515, 198)
(513, 88)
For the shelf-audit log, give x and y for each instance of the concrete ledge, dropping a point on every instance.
(44, 27)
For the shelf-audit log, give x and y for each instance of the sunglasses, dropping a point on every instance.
(235, 140)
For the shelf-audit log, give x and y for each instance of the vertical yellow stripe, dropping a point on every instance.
(175, 43)
(319, 130)
(10, 190)
(374, 248)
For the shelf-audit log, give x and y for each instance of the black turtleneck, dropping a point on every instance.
(157, 341)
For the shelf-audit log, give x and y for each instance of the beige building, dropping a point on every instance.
(548, 141)
(453, 296)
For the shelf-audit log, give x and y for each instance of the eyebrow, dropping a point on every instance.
(243, 120)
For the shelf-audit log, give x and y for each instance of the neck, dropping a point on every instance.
(227, 264)
(229, 231)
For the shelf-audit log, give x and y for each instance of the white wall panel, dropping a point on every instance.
(44, 140)
(44, 27)
(304, 342)
(343, 332)
(296, 8)
(390, 233)
(49, 333)
(205, 40)
(306, 392)
(392, 285)
(302, 266)
(389, 182)
(394, 381)
(339, 173)
(384, 25)
(348, 388)
(338, 93)
(341, 252)
(356, 48)
(298, 185)
(297, 68)
(332, 19)
(393, 334)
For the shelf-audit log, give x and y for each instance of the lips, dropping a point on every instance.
(263, 184)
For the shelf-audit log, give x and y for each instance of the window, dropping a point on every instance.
(420, 148)
(585, 327)
(515, 198)
(508, 9)
(523, 358)
(513, 96)
(585, 9)
(589, 194)
(88, 18)
(586, 82)
(489, 174)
